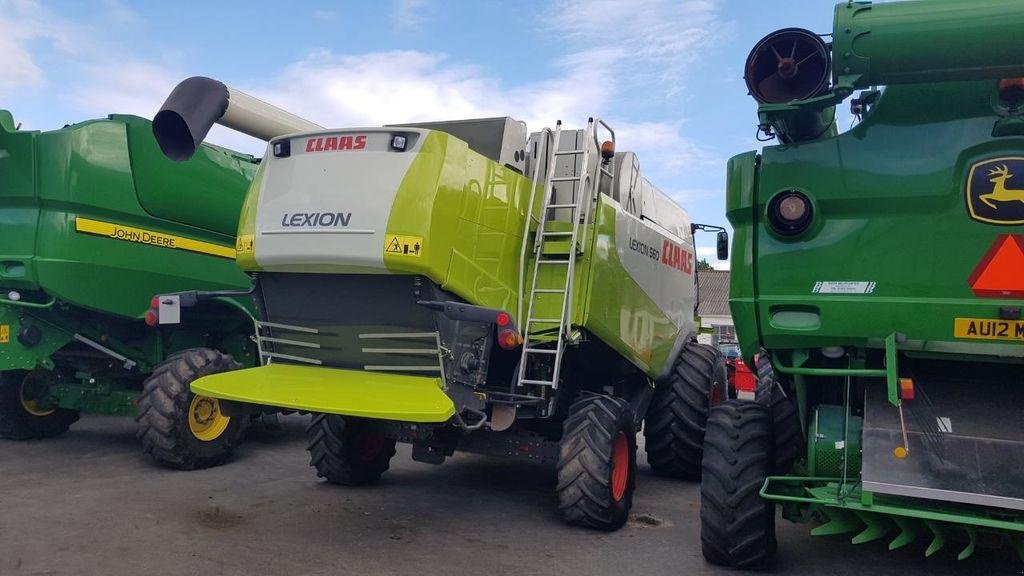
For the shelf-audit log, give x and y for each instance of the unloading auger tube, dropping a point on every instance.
(197, 103)
(797, 78)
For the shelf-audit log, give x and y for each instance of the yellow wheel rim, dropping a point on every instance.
(31, 405)
(205, 419)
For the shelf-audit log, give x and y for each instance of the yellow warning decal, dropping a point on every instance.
(398, 245)
(989, 329)
(5, 333)
(130, 234)
(244, 243)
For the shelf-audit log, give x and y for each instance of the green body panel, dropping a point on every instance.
(471, 211)
(618, 311)
(889, 198)
(466, 214)
(927, 41)
(110, 173)
(334, 391)
(894, 229)
(86, 170)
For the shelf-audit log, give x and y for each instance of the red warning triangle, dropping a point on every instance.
(1000, 274)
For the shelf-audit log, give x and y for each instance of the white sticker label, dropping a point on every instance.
(169, 311)
(843, 287)
(945, 424)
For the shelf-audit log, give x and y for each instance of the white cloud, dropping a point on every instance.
(409, 86)
(409, 14)
(131, 87)
(25, 23)
(406, 86)
(642, 40)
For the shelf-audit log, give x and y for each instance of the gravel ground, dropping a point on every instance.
(89, 503)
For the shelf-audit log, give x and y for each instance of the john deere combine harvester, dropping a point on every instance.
(882, 273)
(462, 286)
(95, 221)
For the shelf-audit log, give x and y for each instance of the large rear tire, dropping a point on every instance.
(787, 433)
(21, 416)
(737, 526)
(347, 451)
(179, 429)
(675, 422)
(597, 463)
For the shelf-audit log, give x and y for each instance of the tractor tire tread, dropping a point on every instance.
(737, 525)
(676, 419)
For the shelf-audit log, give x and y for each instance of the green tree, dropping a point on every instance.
(702, 264)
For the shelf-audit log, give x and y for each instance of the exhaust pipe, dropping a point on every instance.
(198, 102)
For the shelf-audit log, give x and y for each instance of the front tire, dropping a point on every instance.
(787, 432)
(737, 526)
(675, 422)
(21, 416)
(180, 429)
(347, 451)
(597, 463)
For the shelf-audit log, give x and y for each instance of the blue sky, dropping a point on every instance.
(667, 75)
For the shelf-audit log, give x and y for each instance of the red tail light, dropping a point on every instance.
(153, 314)
(503, 319)
(906, 389)
(509, 339)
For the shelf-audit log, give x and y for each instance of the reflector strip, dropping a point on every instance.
(999, 275)
(141, 236)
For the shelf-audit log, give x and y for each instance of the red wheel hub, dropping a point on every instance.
(620, 466)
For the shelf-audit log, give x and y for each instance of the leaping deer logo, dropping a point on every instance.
(1000, 193)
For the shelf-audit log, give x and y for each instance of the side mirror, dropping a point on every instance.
(723, 245)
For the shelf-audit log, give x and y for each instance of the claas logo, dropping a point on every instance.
(995, 190)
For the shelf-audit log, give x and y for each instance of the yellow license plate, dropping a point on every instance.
(989, 329)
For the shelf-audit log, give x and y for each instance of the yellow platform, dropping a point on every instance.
(334, 391)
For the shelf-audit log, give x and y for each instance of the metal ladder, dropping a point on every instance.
(580, 210)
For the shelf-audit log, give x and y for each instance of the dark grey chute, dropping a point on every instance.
(183, 121)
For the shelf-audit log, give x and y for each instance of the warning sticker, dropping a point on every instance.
(988, 329)
(5, 333)
(843, 287)
(399, 245)
(998, 274)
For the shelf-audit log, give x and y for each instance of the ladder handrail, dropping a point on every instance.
(546, 135)
(580, 207)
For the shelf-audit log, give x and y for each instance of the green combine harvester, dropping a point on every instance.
(881, 273)
(96, 221)
(465, 286)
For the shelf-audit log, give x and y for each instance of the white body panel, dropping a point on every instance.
(662, 265)
(328, 208)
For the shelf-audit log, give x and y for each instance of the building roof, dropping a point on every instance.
(714, 293)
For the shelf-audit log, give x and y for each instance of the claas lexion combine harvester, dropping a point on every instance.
(880, 272)
(463, 285)
(95, 221)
